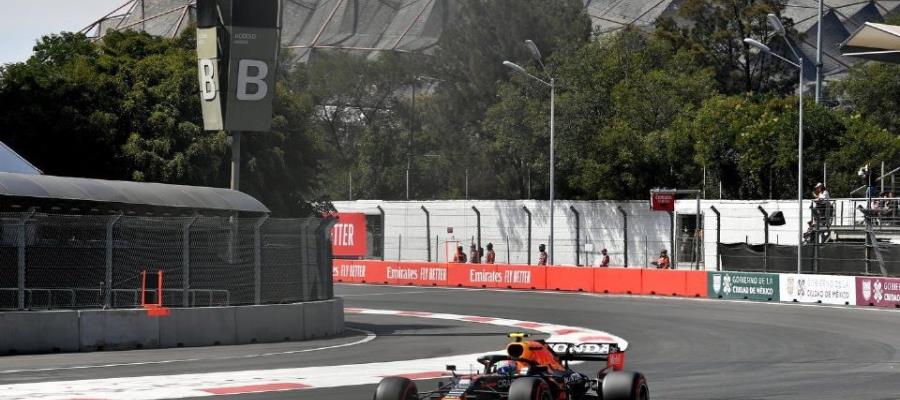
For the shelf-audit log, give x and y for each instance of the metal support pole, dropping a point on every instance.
(23, 241)
(800, 174)
(428, 232)
(527, 211)
(766, 240)
(718, 236)
(257, 260)
(236, 160)
(552, 163)
(674, 262)
(186, 263)
(698, 240)
(577, 235)
(624, 233)
(478, 226)
(819, 56)
(107, 294)
(383, 229)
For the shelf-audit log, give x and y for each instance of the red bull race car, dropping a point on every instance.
(532, 370)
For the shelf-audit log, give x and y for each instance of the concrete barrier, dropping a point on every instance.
(117, 330)
(38, 332)
(49, 331)
(253, 326)
(318, 318)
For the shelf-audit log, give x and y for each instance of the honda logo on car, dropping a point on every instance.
(508, 276)
(421, 273)
(584, 348)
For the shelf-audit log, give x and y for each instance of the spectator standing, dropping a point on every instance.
(491, 256)
(604, 261)
(473, 254)
(460, 256)
(663, 261)
(542, 256)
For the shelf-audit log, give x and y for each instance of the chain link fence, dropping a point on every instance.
(70, 261)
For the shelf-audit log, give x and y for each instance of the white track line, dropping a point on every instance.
(210, 384)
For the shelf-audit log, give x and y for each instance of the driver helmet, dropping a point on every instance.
(506, 367)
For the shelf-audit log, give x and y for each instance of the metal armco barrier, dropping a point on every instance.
(805, 288)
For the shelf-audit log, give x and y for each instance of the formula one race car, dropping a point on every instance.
(532, 370)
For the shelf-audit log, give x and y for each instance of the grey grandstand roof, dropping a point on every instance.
(10, 161)
(874, 42)
(416, 25)
(132, 193)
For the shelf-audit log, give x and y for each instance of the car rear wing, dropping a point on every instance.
(609, 352)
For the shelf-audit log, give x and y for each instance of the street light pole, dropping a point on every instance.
(552, 84)
(800, 173)
(552, 162)
(779, 29)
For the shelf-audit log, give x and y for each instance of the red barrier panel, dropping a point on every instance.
(617, 280)
(522, 277)
(416, 273)
(663, 282)
(359, 271)
(696, 284)
(576, 279)
(472, 275)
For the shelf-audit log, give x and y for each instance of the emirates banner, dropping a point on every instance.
(827, 289)
(879, 292)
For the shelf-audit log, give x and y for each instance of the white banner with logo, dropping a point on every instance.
(825, 289)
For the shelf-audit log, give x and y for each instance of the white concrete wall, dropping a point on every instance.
(505, 224)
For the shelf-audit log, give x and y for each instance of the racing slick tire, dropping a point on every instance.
(623, 385)
(529, 389)
(396, 388)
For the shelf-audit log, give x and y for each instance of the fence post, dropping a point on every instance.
(577, 236)
(107, 295)
(23, 223)
(718, 236)
(428, 232)
(766, 241)
(624, 232)
(527, 211)
(257, 259)
(186, 260)
(383, 230)
(478, 226)
(325, 257)
(672, 249)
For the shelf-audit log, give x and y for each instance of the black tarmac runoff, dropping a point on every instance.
(687, 348)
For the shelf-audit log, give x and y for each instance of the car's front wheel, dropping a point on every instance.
(622, 385)
(529, 389)
(396, 388)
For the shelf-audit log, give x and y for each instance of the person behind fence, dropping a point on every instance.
(542, 256)
(460, 256)
(473, 254)
(491, 256)
(604, 261)
(663, 261)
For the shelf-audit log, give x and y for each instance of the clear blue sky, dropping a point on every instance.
(23, 22)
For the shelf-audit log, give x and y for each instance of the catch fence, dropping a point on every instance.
(52, 261)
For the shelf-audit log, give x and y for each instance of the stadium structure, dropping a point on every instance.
(369, 26)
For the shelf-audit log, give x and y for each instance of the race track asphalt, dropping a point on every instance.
(687, 348)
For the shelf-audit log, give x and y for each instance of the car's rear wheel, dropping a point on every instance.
(622, 385)
(396, 388)
(529, 389)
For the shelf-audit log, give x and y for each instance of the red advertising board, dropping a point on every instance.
(662, 201)
(878, 292)
(348, 236)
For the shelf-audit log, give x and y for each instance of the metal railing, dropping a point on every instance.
(72, 261)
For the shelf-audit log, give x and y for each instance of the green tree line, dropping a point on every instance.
(685, 105)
